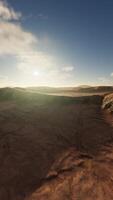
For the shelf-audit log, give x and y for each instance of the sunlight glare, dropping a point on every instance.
(36, 73)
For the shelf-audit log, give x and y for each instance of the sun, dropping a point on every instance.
(35, 73)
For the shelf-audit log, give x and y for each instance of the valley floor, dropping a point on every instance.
(33, 137)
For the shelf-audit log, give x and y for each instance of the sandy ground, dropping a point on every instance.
(33, 136)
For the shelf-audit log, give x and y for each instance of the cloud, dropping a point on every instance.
(8, 13)
(32, 16)
(33, 61)
(14, 40)
(68, 68)
(45, 66)
(3, 80)
(25, 47)
(42, 16)
(103, 79)
(111, 74)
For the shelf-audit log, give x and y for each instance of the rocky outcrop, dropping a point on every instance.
(108, 102)
(78, 176)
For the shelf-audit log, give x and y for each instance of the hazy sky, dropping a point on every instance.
(56, 42)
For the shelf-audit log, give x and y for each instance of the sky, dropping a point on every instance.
(56, 42)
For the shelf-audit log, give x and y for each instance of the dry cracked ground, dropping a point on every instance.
(55, 148)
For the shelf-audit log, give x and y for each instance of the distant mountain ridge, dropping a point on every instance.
(80, 89)
(23, 95)
(33, 92)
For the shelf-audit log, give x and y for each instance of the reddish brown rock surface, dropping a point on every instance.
(76, 176)
(36, 130)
